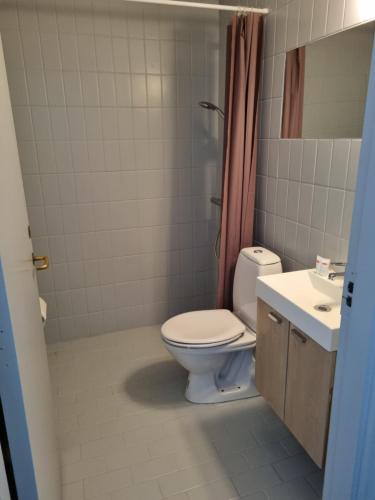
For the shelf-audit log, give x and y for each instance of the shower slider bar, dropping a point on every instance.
(232, 8)
(216, 201)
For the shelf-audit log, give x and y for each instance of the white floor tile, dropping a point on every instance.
(229, 443)
(103, 447)
(83, 469)
(126, 431)
(144, 491)
(294, 490)
(100, 485)
(256, 479)
(79, 435)
(258, 495)
(155, 468)
(131, 455)
(294, 467)
(264, 455)
(179, 496)
(316, 482)
(234, 463)
(291, 445)
(265, 433)
(70, 455)
(73, 491)
(218, 490)
(189, 478)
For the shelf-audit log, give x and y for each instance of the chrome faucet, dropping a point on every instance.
(335, 274)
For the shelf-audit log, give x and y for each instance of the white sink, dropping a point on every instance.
(298, 294)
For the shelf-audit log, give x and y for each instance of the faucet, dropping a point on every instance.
(336, 274)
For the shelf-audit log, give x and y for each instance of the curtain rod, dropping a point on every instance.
(232, 8)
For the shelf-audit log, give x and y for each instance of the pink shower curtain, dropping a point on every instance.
(244, 46)
(293, 94)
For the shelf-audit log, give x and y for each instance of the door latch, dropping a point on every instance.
(349, 298)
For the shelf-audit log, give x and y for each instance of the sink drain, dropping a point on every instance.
(323, 308)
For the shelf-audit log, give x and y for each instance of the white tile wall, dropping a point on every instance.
(118, 161)
(310, 212)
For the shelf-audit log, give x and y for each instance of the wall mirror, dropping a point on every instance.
(325, 86)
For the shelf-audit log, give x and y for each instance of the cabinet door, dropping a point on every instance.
(271, 356)
(308, 393)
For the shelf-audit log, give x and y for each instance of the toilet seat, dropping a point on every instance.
(199, 329)
(246, 341)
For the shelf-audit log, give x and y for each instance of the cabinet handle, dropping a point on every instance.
(299, 335)
(276, 319)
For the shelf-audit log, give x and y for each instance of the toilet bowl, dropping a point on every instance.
(217, 346)
(217, 350)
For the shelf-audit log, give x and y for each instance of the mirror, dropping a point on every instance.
(325, 86)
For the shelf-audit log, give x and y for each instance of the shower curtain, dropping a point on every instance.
(293, 94)
(244, 44)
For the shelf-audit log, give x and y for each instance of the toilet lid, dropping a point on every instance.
(218, 326)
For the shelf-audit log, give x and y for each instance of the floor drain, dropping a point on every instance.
(323, 308)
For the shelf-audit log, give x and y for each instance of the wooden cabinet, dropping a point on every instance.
(308, 392)
(271, 356)
(295, 375)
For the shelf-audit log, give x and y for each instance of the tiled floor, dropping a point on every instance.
(127, 433)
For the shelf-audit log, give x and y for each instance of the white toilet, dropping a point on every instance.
(216, 346)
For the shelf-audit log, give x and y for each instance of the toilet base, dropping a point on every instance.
(235, 381)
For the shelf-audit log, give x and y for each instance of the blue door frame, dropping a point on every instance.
(13, 405)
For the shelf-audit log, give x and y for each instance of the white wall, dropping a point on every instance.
(118, 161)
(336, 80)
(305, 187)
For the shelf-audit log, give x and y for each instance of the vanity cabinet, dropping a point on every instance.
(271, 356)
(295, 376)
(309, 386)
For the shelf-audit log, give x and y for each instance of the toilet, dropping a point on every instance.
(217, 346)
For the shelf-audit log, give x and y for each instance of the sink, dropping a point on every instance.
(309, 301)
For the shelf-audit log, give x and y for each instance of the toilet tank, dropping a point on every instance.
(251, 263)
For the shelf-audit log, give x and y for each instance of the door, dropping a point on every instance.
(4, 487)
(351, 450)
(308, 393)
(271, 356)
(24, 376)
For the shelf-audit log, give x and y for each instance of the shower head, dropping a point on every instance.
(212, 107)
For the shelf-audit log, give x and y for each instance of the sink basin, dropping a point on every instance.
(309, 301)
